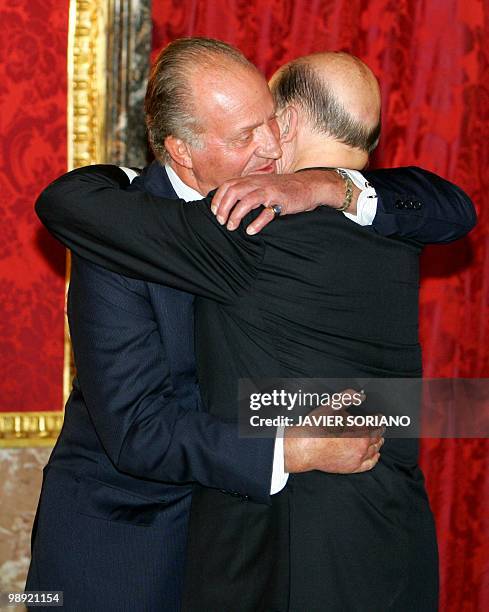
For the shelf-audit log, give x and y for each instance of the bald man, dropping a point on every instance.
(328, 107)
(305, 298)
(364, 543)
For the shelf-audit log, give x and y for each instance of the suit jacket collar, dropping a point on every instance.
(154, 180)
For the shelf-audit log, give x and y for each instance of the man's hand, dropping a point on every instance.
(335, 455)
(308, 448)
(295, 193)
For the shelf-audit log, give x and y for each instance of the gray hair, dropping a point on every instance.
(169, 103)
(299, 83)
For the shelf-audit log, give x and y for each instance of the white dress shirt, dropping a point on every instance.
(366, 209)
(367, 199)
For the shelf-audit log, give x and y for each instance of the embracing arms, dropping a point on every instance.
(400, 202)
(89, 211)
(124, 371)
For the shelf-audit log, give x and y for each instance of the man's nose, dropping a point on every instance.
(269, 145)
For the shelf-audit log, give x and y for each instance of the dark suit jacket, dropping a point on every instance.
(112, 522)
(311, 296)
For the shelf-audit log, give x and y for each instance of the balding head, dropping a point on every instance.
(337, 93)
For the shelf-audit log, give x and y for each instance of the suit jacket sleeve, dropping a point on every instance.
(124, 377)
(140, 235)
(182, 245)
(419, 205)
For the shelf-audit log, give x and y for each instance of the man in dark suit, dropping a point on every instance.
(242, 310)
(112, 520)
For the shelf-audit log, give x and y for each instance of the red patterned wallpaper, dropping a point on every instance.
(33, 42)
(432, 59)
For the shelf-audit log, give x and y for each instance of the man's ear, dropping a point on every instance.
(287, 121)
(179, 151)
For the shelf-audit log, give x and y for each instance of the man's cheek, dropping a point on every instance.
(251, 163)
(275, 129)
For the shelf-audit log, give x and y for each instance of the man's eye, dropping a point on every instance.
(245, 137)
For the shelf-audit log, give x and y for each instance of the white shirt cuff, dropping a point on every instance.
(367, 200)
(279, 475)
(132, 174)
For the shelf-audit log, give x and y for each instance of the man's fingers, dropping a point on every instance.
(368, 464)
(261, 221)
(227, 196)
(293, 192)
(249, 202)
(377, 442)
(219, 195)
(376, 432)
(373, 450)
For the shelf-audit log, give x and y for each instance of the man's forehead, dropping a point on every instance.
(228, 80)
(244, 96)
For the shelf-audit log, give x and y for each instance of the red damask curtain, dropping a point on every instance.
(33, 41)
(432, 60)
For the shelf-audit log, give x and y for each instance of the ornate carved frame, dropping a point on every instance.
(108, 55)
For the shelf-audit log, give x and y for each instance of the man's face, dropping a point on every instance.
(239, 130)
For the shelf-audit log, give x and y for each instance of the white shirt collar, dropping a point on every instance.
(182, 190)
